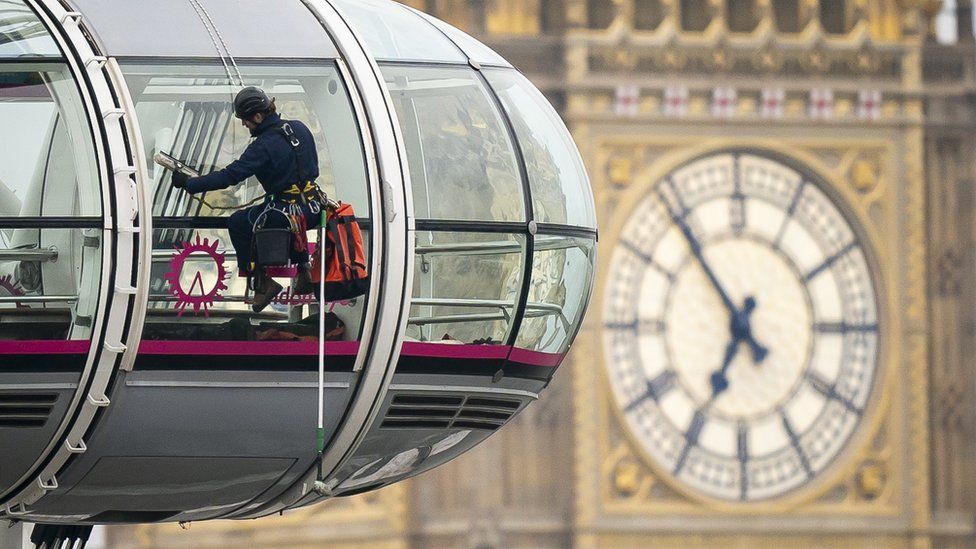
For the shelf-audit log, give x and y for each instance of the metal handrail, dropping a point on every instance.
(542, 243)
(39, 299)
(29, 254)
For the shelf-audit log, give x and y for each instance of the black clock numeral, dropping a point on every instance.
(646, 259)
(737, 208)
(843, 328)
(829, 391)
(644, 326)
(794, 203)
(795, 441)
(656, 389)
(827, 263)
(691, 439)
(742, 451)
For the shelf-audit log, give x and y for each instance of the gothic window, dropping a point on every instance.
(834, 17)
(787, 15)
(599, 13)
(456, 12)
(513, 17)
(648, 14)
(551, 16)
(742, 15)
(695, 15)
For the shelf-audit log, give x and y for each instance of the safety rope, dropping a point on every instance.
(227, 208)
(220, 37)
(214, 33)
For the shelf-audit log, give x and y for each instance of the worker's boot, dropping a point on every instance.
(303, 284)
(265, 294)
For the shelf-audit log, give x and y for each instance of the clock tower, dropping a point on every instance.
(761, 318)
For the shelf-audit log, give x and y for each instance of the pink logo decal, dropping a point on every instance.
(196, 295)
(13, 288)
(288, 298)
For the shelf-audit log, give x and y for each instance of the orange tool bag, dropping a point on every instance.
(345, 268)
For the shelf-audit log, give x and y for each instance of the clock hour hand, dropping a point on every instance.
(742, 329)
(719, 379)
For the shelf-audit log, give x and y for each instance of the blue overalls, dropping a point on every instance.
(283, 172)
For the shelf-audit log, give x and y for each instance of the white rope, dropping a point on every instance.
(197, 8)
(220, 37)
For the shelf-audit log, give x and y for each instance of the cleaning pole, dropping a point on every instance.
(320, 433)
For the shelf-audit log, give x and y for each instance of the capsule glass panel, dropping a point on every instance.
(393, 32)
(284, 29)
(562, 271)
(22, 33)
(462, 163)
(50, 202)
(473, 49)
(198, 292)
(466, 287)
(560, 188)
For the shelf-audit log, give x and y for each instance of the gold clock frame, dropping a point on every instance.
(875, 398)
(889, 225)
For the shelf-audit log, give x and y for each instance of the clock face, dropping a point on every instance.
(740, 327)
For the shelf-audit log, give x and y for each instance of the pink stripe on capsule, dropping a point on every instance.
(536, 358)
(247, 348)
(44, 347)
(447, 350)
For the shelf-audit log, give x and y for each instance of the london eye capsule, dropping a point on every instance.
(136, 384)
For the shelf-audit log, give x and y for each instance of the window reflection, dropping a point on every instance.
(391, 31)
(22, 33)
(466, 287)
(196, 291)
(560, 189)
(186, 111)
(46, 163)
(50, 199)
(562, 269)
(457, 145)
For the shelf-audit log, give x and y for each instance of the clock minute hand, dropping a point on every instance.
(697, 252)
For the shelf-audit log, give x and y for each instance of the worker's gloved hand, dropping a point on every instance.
(179, 180)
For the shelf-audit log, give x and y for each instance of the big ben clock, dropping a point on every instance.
(741, 327)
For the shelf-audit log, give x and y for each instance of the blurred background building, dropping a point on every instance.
(874, 98)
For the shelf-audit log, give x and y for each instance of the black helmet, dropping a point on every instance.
(250, 101)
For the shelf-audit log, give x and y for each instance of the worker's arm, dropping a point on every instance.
(247, 165)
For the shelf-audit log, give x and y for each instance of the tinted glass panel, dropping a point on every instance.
(465, 288)
(562, 271)
(392, 31)
(47, 165)
(284, 29)
(472, 48)
(21, 32)
(49, 281)
(560, 189)
(186, 111)
(197, 294)
(51, 240)
(462, 164)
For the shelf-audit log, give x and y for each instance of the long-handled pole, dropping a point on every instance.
(320, 433)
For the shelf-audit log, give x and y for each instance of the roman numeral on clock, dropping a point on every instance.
(829, 390)
(656, 389)
(795, 441)
(691, 439)
(742, 451)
